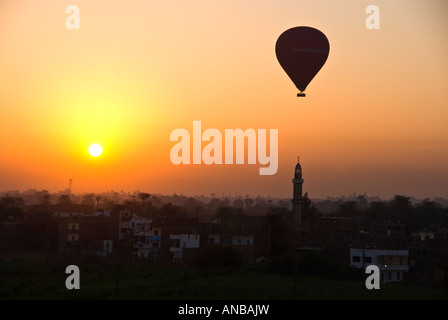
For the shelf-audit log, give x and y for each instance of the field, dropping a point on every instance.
(108, 280)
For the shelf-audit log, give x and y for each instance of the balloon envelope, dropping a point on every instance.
(302, 51)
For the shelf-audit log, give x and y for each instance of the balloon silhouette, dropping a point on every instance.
(302, 51)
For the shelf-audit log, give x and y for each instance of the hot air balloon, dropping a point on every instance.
(302, 51)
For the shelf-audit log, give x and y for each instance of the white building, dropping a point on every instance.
(393, 264)
(180, 241)
(137, 232)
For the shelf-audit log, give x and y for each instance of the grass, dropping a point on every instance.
(46, 280)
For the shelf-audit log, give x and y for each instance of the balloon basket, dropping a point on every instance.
(300, 94)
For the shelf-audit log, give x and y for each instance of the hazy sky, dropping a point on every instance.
(375, 118)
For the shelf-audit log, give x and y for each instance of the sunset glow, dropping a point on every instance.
(374, 118)
(95, 150)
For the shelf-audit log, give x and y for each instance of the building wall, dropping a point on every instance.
(214, 239)
(179, 242)
(136, 234)
(422, 236)
(393, 264)
(87, 234)
(242, 240)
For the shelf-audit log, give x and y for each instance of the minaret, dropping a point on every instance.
(297, 194)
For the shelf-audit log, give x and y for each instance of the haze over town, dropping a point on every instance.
(373, 120)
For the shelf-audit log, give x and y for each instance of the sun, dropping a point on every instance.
(95, 150)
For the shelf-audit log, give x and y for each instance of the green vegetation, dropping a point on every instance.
(21, 279)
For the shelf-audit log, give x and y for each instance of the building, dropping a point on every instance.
(248, 235)
(180, 242)
(183, 241)
(422, 236)
(136, 234)
(86, 233)
(427, 253)
(393, 264)
(298, 229)
(244, 244)
(156, 243)
(297, 199)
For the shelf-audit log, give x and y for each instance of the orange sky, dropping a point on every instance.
(374, 119)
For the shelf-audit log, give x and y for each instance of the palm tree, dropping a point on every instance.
(143, 196)
(97, 198)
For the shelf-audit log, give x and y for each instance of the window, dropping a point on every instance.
(248, 242)
(239, 240)
(368, 259)
(356, 259)
(421, 252)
